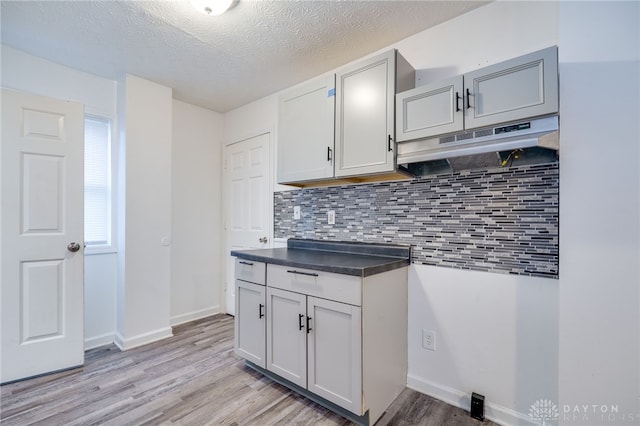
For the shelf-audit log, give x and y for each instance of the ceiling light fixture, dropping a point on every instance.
(212, 7)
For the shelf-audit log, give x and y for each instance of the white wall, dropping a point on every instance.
(600, 211)
(196, 260)
(251, 120)
(518, 340)
(100, 279)
(185, 173)
(497, 335)
(31, 74)
(27, 73)
(143, 297)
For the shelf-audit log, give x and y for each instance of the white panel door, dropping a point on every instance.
(250, 322)
(287, 335)
(42, 235)
(335, 352)
(249, 202)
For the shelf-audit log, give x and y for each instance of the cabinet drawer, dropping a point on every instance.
(250, 270)
(327, 285)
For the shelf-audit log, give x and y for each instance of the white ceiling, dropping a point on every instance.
(220, 63)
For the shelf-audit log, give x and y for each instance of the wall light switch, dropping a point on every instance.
(296, 212)
(331, 217)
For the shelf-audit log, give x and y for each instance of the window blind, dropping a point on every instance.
(97, 181)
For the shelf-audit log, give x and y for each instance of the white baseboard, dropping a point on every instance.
(97, 341)
(494, 412)
(142, 339)
(192, 316)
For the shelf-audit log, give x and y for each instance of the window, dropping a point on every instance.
(97, 182)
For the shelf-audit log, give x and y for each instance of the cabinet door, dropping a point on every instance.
(335, 353)
(520, 88)
(305, 131)
(365, 111)
(250, 322)
(429, 110)
(287, 335)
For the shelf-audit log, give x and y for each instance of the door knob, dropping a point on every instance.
(73, 247)
(263, 240)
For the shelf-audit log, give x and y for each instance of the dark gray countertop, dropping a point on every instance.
(359, 259)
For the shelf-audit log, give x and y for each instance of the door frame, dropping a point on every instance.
(225, 200)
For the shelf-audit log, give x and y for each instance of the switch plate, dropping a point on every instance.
(331, 217)
(429, 339)
(296, 212)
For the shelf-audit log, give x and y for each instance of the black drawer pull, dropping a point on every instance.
(260, 310)
(468, 100)
(457, 102)
(308, 325)
(310, 274)
(300, 324)
(242, 262)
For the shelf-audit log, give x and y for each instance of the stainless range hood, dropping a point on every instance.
(485, 147)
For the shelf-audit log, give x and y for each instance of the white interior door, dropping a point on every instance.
(249, 202)
(42, 235)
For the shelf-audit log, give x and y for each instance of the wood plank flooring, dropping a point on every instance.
(193, 378)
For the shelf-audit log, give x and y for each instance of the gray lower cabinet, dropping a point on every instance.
(287, 336)
(250, 322)
(334, 358)
(340, 337)
(516, 89)
(315, 343)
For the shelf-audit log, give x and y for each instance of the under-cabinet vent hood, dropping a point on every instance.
(476, 144)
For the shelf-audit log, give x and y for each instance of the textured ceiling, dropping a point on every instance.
(255, 49)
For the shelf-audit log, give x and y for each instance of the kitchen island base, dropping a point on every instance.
(330, 324)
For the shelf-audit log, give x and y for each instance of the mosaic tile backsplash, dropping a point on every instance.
(498, 220)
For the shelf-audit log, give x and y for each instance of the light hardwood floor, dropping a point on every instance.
(193, 378)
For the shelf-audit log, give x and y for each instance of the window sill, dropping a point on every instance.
(93, 251)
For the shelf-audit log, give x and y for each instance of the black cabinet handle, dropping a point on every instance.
(242, 262)
(303, 273)
(260, 310)
(300, 325)
(468, 99)
(389, 147)
(329, 152)
(457, 102)
(308, 325)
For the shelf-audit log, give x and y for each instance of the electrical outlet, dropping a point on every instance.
(429, 339)
(331, 217)
(296, 212)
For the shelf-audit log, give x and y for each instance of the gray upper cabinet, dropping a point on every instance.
(429, 110)
(305, 131)
(523, 87)
(365, 125)
(516, 89)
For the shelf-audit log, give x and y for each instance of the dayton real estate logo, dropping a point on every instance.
(544, 411)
